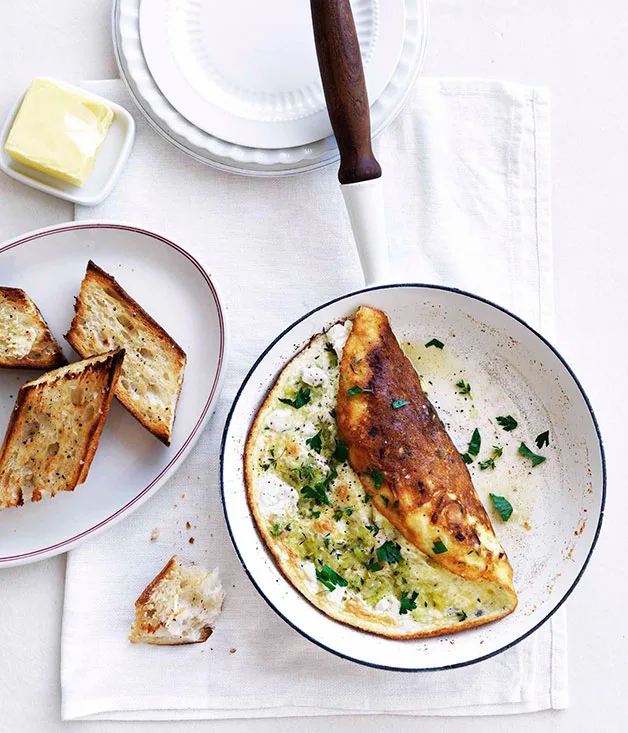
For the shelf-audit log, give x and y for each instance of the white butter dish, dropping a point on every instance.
(111, 158)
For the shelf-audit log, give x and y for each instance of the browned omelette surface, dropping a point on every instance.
(406, 460)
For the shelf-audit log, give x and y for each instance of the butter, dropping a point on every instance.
(58, 131)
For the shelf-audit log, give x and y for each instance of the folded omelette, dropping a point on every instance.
(361, 496)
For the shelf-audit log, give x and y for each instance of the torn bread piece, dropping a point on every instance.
(54, 429)
(179, 606)
(25, 339)
(152, 375)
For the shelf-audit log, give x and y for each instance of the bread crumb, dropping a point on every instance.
(154, 534)
(526, 525)
(191, 540)
(183, 496)
(232, 651)
(188, 525)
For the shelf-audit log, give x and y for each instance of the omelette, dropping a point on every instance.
(361, 496)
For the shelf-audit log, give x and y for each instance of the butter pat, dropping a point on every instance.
(58, 131)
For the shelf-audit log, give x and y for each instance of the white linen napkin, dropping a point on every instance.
(467, 183)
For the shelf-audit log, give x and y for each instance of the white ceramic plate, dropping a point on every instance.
(130, 464)
(208, 149)
(111, 159)
(512, 369)
(247, 73)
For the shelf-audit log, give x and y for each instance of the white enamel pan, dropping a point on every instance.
(558, 505)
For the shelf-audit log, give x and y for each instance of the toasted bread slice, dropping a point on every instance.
(54, 429)
(152, 374)
(25, 339)
(179, 606)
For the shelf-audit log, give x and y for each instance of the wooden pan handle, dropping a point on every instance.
(341, 70)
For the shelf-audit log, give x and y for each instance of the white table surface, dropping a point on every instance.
(578, 49)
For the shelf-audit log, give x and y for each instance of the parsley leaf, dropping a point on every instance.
(407, 601)
(378, 478)
(475, 444)
(276, 530)
(463, 387)
(330, 578)
(318, 493)
(373, 528)
(389, 552)
(356, 390)
(315, 442)
(490, 462)
(507, 422)
(342, 452)
(466, 458)
(542, 440)
(316, 515)
(396, 404)
(439, 547)
(502, 506)
(527, 453)
(434, 342)
(340, 513)
(302, 398)
(374, 566)
(462, 616)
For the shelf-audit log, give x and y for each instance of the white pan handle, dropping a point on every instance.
(365, 204)
(340, 64)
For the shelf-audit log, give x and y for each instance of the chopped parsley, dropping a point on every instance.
(507, 422)
(306, 471)
(340, 513)
(408, 601)
(302, 398)
(527, 453)
(490, 462)
(378, 478)
(384, 499)
(374, 567)
(434, 342)
(475, 444)
(466, 458)
(439, 547)
(389, 552)
(276, 530)
(330, 578)
(462, 616)
(356, 390)
(316, 514)
(318, 492)
(396, 404)
(341, 453)
(502, 506)
(463, 387)
(542, 440)
(373, 529)
(315, 442)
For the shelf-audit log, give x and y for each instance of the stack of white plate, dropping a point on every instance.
(236, 84)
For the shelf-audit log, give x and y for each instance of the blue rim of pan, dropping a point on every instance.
(582, 392)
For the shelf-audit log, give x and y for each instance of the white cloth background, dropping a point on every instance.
(467, 185)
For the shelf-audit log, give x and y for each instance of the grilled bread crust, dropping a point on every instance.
(107, 317)
(158, 602)
(54, 429)
(25, 339)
